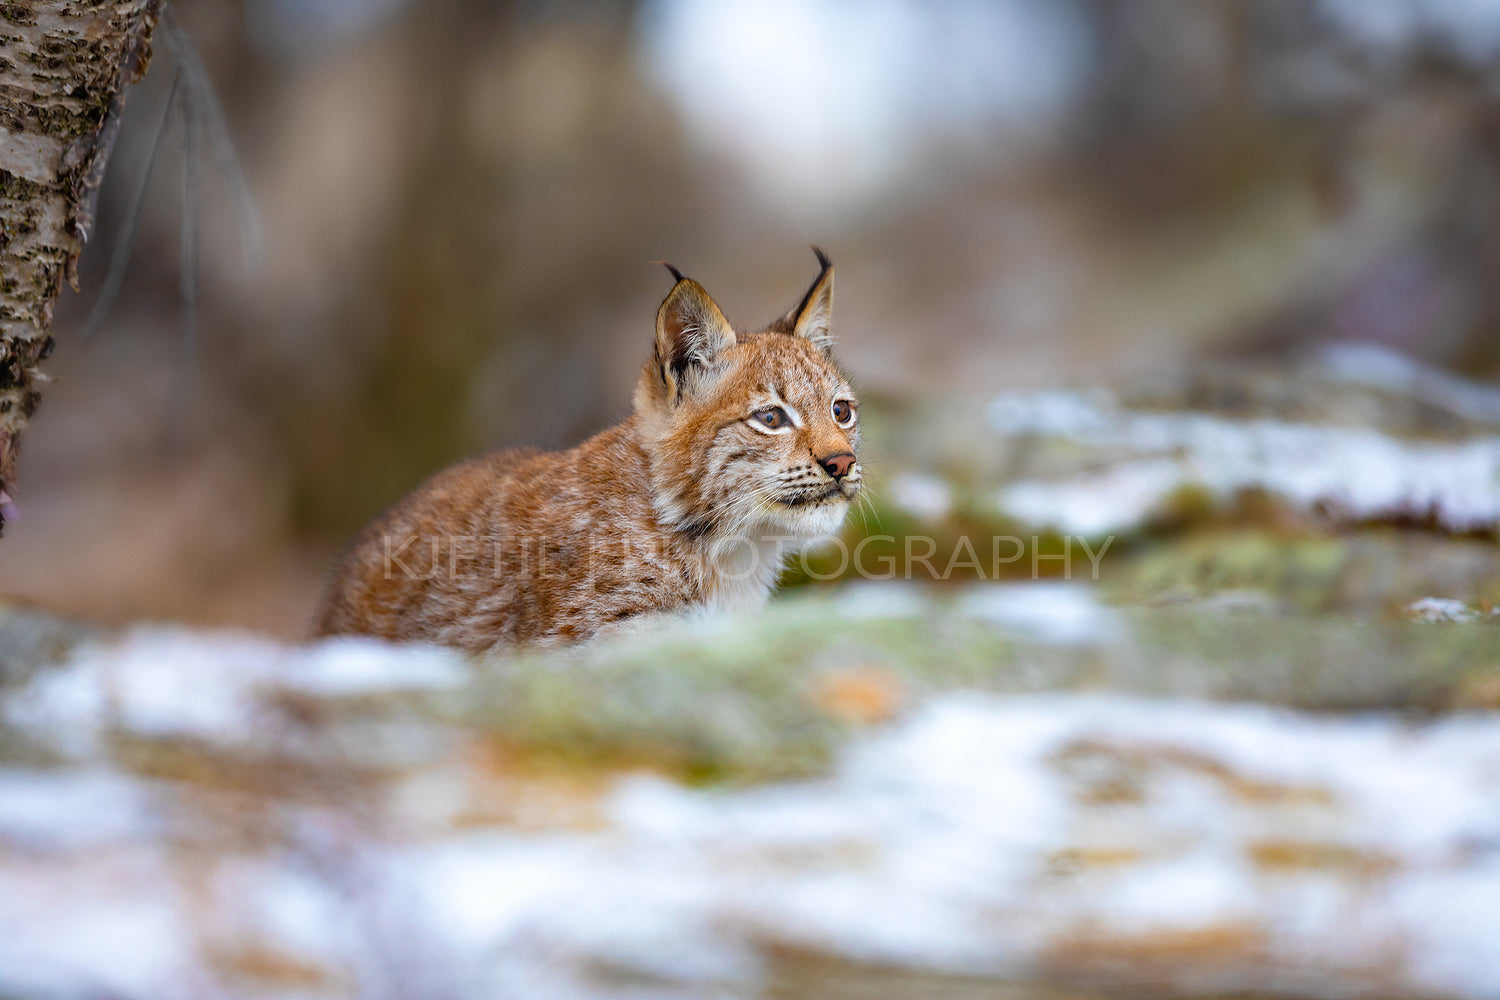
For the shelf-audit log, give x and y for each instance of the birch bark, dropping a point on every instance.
(64, 68)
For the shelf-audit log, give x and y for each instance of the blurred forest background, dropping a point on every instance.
(461, 201)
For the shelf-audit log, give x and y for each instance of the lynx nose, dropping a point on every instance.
(838, 466)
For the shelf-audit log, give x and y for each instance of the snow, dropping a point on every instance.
(1441, 609)
(1382, 368)
(1048, 612)
(40, 810)
(1355, 472)
(1094, 505)
(107, 928)
(922, 495)
(163, 682)
(882, 599)
(976, 834)
(955, 812)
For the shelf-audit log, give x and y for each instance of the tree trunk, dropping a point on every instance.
(64, 66)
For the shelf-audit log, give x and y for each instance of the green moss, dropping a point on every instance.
(741, 702)
(749, 701)
(710, 709)
(17, 13)
(1314, 662)
(69, 123)
(1369, 571)
(18, 187)
(31, 640)
(45, 254)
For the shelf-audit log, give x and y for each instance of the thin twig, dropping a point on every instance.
(211, 114)
(119, 257)
(188, 277)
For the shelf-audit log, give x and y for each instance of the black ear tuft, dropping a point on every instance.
(825, 265)
(676, 274)
(812, 318)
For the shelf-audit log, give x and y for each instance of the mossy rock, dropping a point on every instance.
(31, 640)
(774, 697)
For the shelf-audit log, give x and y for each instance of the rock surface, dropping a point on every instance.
(982, 791)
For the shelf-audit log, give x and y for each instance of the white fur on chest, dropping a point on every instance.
(740, 573)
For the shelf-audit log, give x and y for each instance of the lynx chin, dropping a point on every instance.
(743, 447)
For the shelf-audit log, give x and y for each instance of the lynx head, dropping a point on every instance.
(755, 431)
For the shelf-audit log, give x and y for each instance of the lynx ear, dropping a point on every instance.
(813, 316)
(691, 333)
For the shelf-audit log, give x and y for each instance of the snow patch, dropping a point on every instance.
(1444, 609)
(69, 810)
(1383, 368)
(921, 495)
(160, 682)
(1067, 614)
(972, 836)
(1355, 472)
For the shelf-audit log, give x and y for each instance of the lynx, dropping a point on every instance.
(742, 448)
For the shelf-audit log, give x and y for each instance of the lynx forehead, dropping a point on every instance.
(743, 446)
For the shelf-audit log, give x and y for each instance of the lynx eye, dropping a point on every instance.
(843, 412)
(773, 417)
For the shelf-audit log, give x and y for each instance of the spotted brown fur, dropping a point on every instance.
(688, 504)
